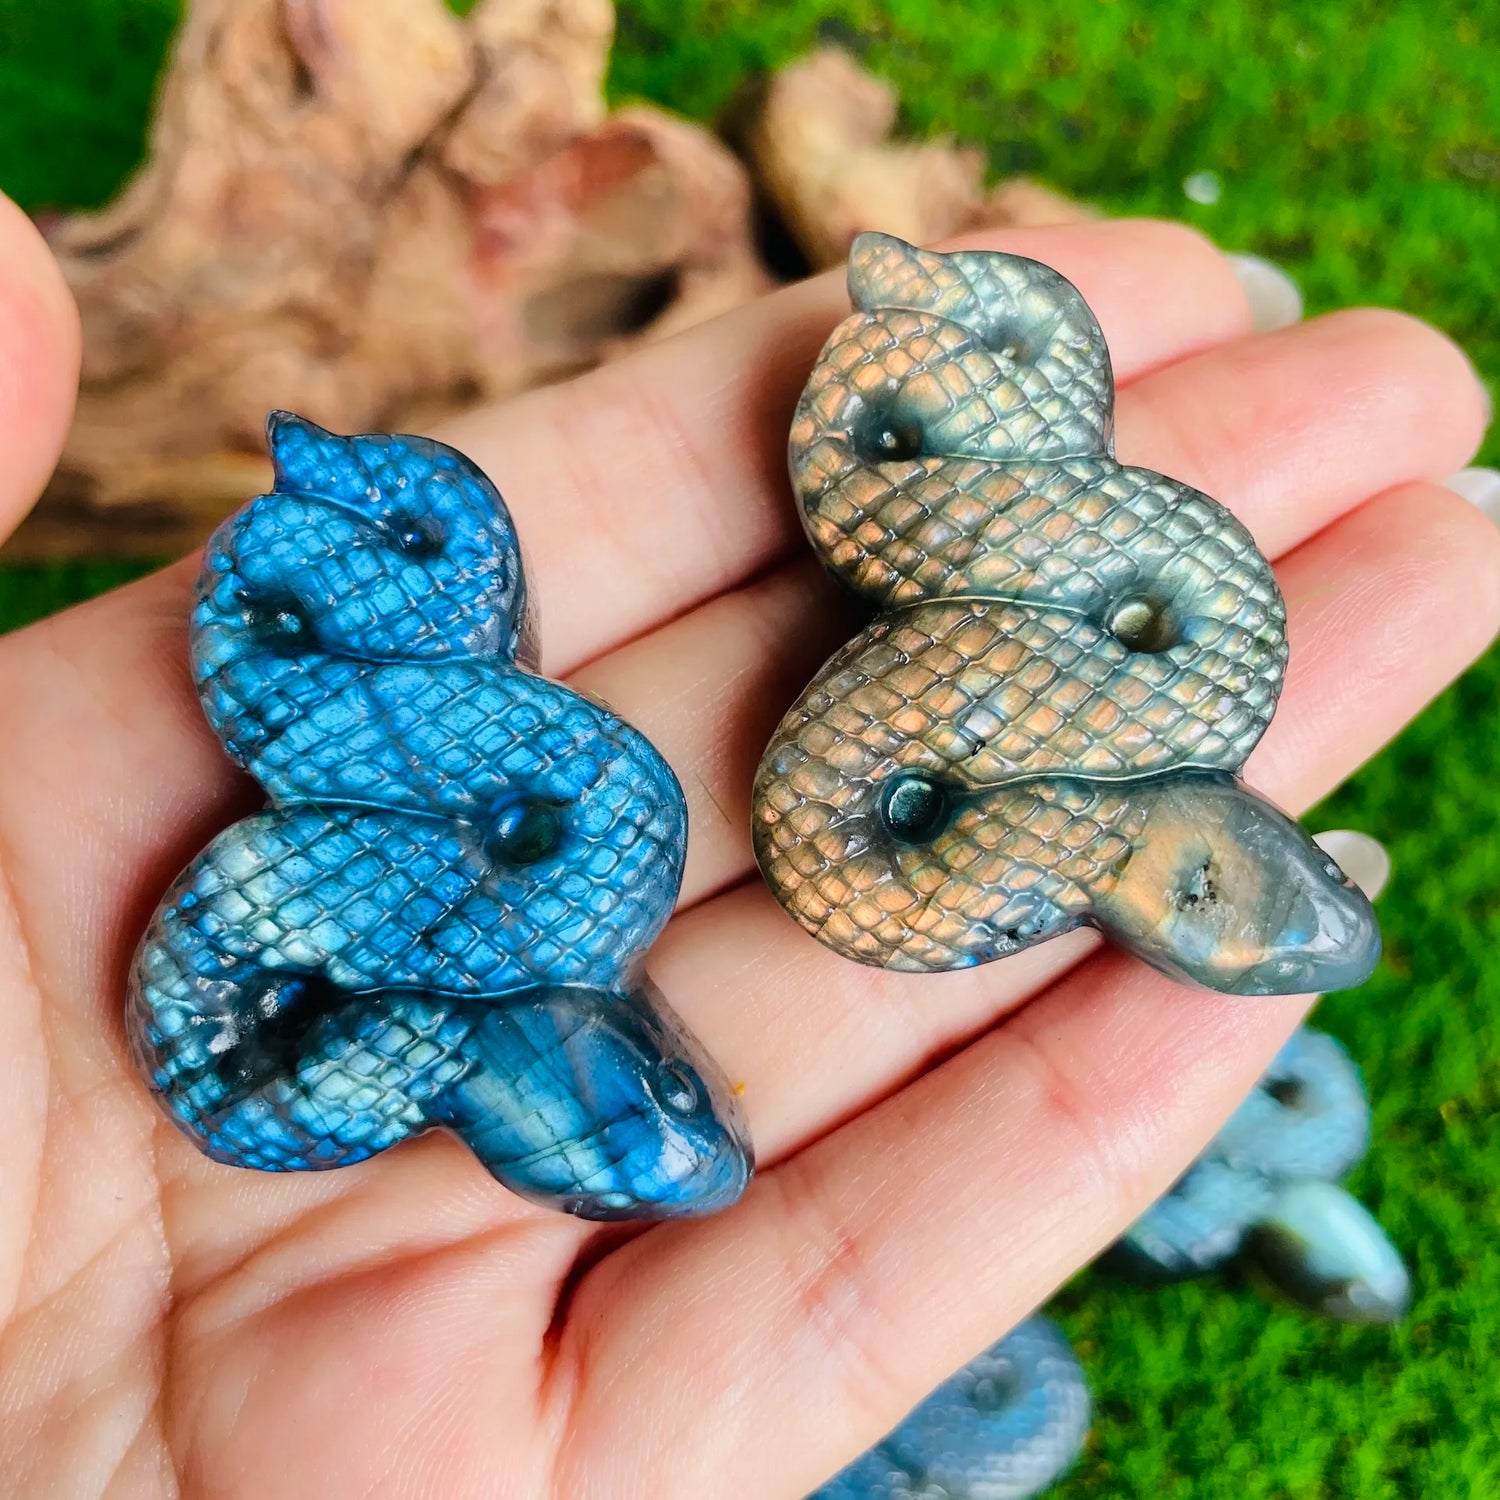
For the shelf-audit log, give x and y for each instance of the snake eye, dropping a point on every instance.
(1290, 1093)
(417, 536)
(884, 435)
(674, 1086)
(1140, 623)
(526, 832)
(280, 617)
(915, 809)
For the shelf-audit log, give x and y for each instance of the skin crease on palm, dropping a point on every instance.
(935, 1160)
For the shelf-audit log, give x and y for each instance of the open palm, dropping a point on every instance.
(928, 1174)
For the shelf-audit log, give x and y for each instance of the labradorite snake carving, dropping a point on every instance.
(439, 918)
(1070, 660)
(1005, 1427)
(1269, 1186)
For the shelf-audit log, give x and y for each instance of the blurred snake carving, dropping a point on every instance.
(1269, 1186)
(440, 917)
(1069, 661)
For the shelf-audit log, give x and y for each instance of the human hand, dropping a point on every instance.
(935, 1160)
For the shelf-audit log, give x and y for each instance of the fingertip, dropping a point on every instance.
(1275, 298)
(1481, 488)
(40, 351)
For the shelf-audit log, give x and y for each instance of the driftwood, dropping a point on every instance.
(374, 213)
(371, 212)
(819, 141)
(818, 137)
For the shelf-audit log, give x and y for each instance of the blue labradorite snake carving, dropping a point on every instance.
(1005, 1427)
(1069, 663)
(440, 917)
(1269, 1186)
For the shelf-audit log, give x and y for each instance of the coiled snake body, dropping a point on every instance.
(1004, 1428)
(1070, 661)
(1269, 1184)
(440, 917)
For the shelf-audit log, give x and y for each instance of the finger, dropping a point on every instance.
(895, 1032)
(39, 353)
(100, 749)
(708, 690)
(1289, 430)
(859, 1273)
(650, 485)
(866, 1270)
(747, 654)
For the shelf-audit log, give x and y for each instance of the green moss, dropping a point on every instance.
(28, 593)
(76, 78)
(1357, 143)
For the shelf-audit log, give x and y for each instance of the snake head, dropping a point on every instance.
(374, 547)
(603, 1105)
(1222, 889)
(1325, 1250)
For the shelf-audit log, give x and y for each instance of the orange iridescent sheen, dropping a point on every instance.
(1070, 661)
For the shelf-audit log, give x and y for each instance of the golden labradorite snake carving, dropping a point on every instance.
(1069, 661)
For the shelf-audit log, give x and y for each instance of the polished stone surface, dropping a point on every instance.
(1070, 660)
(1324, 1249)
(1268, 1186)
(440, 917)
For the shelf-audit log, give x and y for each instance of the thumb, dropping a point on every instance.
(39, 354)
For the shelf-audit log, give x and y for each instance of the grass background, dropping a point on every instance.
(1359, 145)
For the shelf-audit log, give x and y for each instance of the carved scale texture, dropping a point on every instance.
(440, 916)
(952, 457)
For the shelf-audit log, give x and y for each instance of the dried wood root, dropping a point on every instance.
(819, 143)
(372, 212)
(375, 213)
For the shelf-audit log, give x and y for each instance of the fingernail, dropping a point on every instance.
(1481, 488)
(1364, 860)
(1275, 300)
